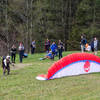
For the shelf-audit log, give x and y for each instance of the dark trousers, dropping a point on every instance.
(60, 53)
(21, 56)
(6, 68)
(13, 56)
(53, 55)
(47, 48)
(32, 50)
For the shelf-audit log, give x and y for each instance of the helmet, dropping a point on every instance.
(8, 57)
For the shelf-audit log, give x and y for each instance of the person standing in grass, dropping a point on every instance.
(60, 48)
(53, 48)
(13, 53)
(21, 51)
(95, 46)
(47, 45)
(33, 46)
(83, 43)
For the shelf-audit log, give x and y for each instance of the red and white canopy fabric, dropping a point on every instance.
(73, 64)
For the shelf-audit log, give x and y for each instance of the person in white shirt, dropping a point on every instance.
(95, 46)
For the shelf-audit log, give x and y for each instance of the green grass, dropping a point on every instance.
(22, 85)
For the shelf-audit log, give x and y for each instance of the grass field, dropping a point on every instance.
(22, 85)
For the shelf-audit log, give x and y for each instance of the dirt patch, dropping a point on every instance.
(20, 66)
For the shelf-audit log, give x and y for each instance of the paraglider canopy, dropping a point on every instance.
(73, 64)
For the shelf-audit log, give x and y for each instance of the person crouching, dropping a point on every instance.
(6, 65)
(48, 56)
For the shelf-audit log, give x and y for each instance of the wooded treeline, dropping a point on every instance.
(26, 20)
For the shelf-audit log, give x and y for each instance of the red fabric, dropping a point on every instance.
(70, 59)
(43, 75)
(87, 66)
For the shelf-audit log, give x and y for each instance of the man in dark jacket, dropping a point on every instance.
(33, 46)
(60, 48)
(47, 45)
(13, 53)
(94, 45)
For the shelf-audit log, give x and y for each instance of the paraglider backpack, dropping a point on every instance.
(2, 60)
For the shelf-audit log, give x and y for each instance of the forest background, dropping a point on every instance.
(27, 20)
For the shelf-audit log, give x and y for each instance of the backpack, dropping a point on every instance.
(2, 60)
